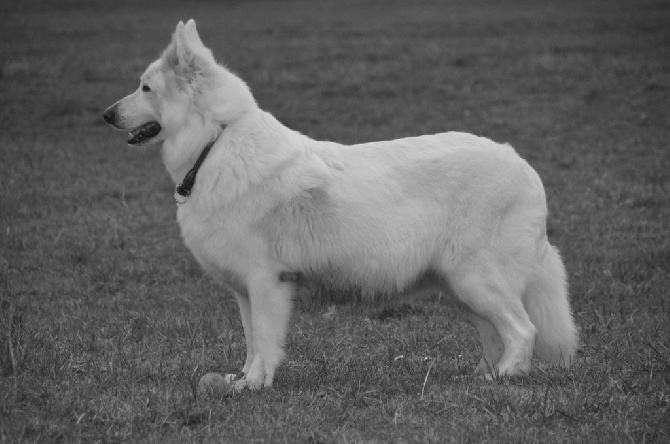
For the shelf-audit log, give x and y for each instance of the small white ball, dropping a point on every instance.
(216, 384)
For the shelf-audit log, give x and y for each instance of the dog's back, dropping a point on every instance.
(391, 210)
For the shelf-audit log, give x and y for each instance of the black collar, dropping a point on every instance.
(184, 190)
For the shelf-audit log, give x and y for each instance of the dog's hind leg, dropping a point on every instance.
(491, 343)
(270, 314)
(493, 292)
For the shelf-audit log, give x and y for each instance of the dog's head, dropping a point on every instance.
(170, 91)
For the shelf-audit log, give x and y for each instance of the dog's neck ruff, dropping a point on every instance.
(184, 189)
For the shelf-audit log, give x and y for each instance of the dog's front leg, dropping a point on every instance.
(245, 314)
(270, 302)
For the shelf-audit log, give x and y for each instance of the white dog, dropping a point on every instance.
(382, 216)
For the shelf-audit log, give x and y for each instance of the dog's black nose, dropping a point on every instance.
(109, 114)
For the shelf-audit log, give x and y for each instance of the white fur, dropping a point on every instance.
(378, 216)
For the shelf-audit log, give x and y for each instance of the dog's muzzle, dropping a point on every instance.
(141, 135)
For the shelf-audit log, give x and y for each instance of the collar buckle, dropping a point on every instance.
(179, 199)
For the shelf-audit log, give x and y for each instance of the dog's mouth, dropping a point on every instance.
(144, 133)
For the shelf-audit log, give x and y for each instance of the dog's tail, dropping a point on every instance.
(547, 304)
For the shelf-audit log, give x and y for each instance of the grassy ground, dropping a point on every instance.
(106, 322)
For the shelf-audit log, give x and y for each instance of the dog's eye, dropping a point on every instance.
(146, 88)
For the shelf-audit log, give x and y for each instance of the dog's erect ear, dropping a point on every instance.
(191, 34)
(186, 54)
(171, 56)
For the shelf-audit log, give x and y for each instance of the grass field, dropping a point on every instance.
(106, 322)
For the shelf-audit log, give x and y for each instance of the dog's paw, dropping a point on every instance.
(239, 385)
(254, 384)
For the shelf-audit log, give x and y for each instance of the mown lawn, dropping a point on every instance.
(106, 322)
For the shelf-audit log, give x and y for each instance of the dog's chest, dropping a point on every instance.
(213, 239)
